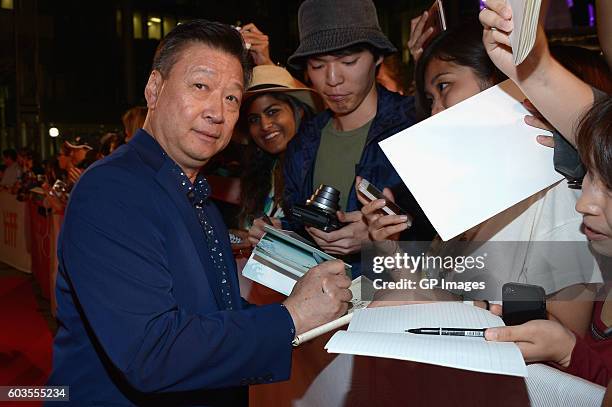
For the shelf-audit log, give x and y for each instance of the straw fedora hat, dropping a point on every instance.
(272, 78)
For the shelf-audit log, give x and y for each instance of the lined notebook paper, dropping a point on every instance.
(380, 332)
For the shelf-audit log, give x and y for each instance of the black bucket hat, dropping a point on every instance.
(330, 25)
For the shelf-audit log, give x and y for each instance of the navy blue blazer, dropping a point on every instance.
(139, 312)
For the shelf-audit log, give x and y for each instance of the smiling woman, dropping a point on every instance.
(275, 105)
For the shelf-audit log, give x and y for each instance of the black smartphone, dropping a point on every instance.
(522, 303)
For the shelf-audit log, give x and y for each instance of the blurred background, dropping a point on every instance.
(76, 66)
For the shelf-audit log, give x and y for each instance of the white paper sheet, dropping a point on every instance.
(380, 332)
(473, 160)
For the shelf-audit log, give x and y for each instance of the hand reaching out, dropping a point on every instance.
(257, 43)
(538, 121)
(418, 35)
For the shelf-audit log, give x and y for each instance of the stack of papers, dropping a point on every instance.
(380, 332)
(281, 258)
(525, 14)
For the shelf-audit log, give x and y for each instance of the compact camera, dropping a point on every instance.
(320, 209)
(59, 190)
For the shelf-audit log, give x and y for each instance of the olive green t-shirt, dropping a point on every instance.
(339, 152)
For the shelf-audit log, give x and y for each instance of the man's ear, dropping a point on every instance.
(153, 88)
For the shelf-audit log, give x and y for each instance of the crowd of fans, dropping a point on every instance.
(22, 173)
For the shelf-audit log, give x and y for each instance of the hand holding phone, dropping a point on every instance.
(424, 28)
(372, 193)
(523, 303)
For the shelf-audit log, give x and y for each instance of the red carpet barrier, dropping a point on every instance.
(15, 233)
(41, 230)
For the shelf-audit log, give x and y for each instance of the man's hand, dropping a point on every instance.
(257, 230)
(538, 340)
(321, 296)
(259, 44)
(380, 225)
(343, 241)
(418, 35)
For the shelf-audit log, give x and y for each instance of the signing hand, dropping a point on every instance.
(320, 296)
(259, 44)
(343, 241)
(538, 340)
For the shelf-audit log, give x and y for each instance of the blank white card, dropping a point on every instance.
(473, 160)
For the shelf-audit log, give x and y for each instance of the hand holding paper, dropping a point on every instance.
(380, 332)
(511, 39)
(479, 147)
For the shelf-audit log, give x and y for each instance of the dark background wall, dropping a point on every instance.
(78, 65)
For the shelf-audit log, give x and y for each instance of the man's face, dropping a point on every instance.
(344, 81)
(194, 108)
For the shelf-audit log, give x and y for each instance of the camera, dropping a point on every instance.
(59, 190)
(320, 209)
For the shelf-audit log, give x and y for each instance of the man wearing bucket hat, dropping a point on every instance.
(341, 46)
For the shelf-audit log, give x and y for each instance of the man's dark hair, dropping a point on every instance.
(216, 35)
(594, 140)
(463, 46)
(10, 153)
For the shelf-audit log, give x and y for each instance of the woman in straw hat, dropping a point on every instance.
(274, 106)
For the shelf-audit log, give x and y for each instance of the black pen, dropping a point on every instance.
(471, 332)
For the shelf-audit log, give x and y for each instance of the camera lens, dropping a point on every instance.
(325, 198)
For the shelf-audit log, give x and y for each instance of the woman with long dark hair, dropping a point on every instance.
(273, 108)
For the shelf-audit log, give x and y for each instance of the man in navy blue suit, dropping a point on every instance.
(149, 307)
